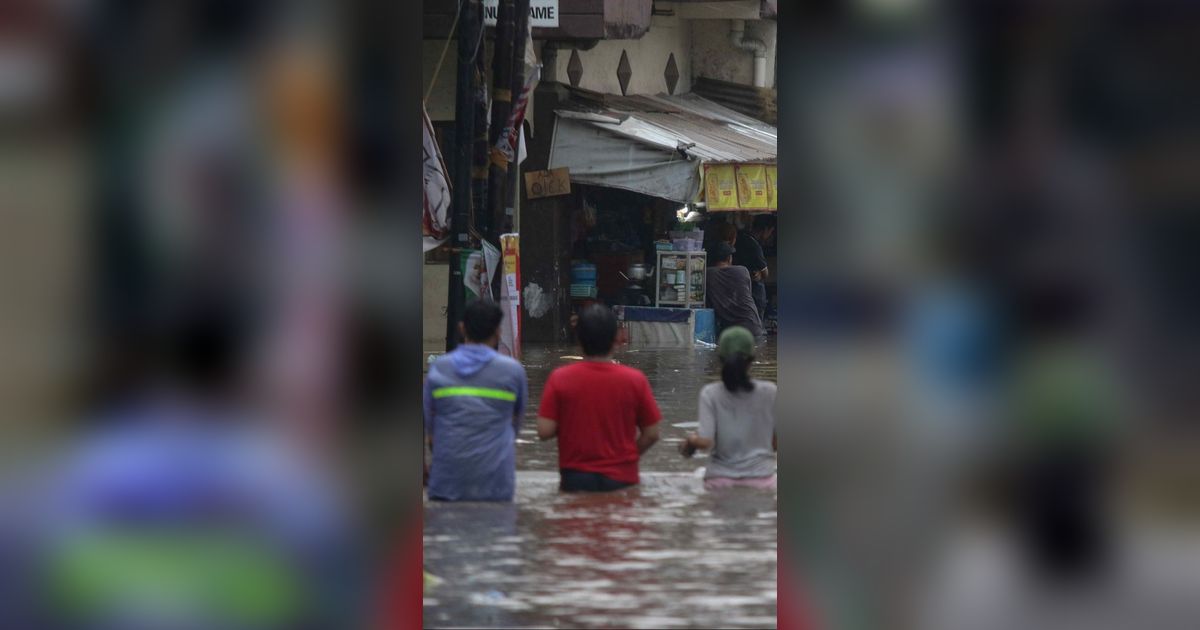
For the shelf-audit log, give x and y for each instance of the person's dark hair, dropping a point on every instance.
(481, 320)
(763, 222)
(597, 330)
(721, 252)
(735, 373)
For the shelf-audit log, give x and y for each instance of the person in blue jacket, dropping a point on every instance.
(474, 401)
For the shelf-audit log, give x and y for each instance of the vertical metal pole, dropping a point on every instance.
(492, 217)
(470, 24)
(512, 191)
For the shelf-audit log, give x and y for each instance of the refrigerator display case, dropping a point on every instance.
(679, 280)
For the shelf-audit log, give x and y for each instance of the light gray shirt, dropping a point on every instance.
(742, 427)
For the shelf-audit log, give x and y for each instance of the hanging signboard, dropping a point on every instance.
(749, 187)
(549, 183)
(542, 13)
(773, 187)
(720, 187)
(752, 187)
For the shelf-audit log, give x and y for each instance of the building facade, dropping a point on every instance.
(615, 47)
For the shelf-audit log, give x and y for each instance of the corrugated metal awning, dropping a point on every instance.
(699, 128)
(654, 144)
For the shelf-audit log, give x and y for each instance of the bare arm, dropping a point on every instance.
(547, 429)
(647, 437)
(694, 442)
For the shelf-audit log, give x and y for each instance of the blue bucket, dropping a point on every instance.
(583, 273)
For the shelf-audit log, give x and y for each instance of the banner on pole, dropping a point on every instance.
(435, 221)
(510, 296)
(508, 143)
(475, 277)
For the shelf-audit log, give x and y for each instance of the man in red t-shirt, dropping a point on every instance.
(603, 414)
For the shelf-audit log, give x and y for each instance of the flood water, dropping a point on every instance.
(664, 554)
(676, 375)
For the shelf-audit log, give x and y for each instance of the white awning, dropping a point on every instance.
(598, 157)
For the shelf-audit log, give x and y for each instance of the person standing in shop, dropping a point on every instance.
(748, 253)
(728, 292)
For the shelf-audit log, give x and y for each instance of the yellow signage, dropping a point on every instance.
(720, 187)
(773, 187)
(752, 187)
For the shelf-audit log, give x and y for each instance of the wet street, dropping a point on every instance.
(666, 554)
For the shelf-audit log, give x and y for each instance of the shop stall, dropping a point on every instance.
(640, 166)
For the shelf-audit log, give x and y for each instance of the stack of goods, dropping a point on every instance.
(690, 241)
(583, 280)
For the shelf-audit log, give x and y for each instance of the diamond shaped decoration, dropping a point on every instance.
(671, 74)
(575, 68)
(624, 73)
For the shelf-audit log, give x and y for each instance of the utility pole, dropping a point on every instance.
(482, 150)
(470, 26)
(492, 217)
(513, 190)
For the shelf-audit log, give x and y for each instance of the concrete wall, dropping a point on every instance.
(441, 99)
(714, 57)
(647, 58)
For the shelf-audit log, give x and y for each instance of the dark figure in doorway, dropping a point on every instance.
(729, 292)
(748, 253)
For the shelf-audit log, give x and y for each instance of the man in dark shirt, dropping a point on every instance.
(728, 292)
(748, 253)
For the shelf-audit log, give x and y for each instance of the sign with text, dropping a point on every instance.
(752, 187)
(542, 13)
(720, 185)
(550, 183)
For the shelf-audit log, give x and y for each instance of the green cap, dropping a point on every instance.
(735, 340)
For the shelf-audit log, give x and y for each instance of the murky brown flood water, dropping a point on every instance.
(666, 554)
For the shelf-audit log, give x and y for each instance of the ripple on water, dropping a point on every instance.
(569, 560)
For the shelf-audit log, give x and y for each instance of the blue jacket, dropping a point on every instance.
(474, 401)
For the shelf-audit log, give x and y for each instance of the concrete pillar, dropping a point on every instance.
(545, 224)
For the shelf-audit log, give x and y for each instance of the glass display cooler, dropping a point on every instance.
(679, 279)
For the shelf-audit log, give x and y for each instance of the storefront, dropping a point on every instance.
(646, 172)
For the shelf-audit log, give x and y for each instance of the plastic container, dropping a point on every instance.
(696, 235)
(583, 290)
(583, 273)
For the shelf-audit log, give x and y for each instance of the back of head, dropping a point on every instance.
(721, 252)
(736, 349)
(764, 222)
(481, 321)
(597, 330)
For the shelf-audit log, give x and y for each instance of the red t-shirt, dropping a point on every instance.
(598, 407)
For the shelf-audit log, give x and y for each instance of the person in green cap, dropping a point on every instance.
(737, 419)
